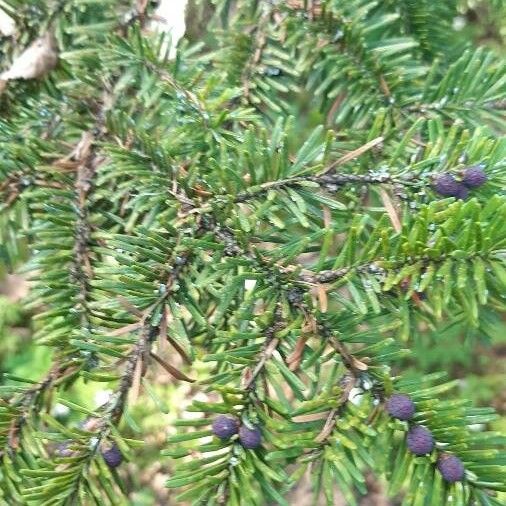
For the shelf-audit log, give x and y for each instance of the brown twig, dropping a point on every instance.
(270, 345)
(331, 419)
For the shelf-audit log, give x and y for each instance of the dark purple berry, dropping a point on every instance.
(447, 185)
(400, 406)
(225, 427)
(112, 456)
(420, 440)
(250, 438)
(450, 467)
(474, 176)
(463, 193)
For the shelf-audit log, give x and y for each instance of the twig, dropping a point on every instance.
(326, 179)
(353, 154)
(81, 267)
(270, 345)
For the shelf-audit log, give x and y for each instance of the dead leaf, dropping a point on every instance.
(294, 359)
(312, 417)
(7, 24)
(131, 327)
(83, 147)
(36, 61)
(171, 369)
(130, 307)
(391, 210)
(136, 382)
(357, 364)
(328, 427)
(322, 298)
(247, 377)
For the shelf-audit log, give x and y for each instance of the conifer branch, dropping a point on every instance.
(139, 356)
(28, 400)
(332, 417)
(259, 40)
(283, 277)
(82, 271)
(270, 344)
(380, 266)
(330, 182)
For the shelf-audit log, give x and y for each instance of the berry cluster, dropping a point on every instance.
(448, 186)
(421, 441)
(225, 427)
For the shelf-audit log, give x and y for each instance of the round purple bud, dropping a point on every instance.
(420, 440)
(463, 192)
(112, 456)
(250, 438)
(474, 176)
(450, 467)
(447, 185)
(225, 427)
(400, 406)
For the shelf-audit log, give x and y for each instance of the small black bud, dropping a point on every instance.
(250, 438)
(447, 185)
(450, 467)
(400, 406)
(295, 295)
(113, 457)
(474, 176)
(420, 440)
(225, 427)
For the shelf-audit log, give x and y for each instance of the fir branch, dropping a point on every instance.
(259, 41)
(139, 356)
(81, 270)
(283, 277)
(191, 99)
(137, 361)
(26, 403)
(270, 344)
(330, 422)
(330, 182)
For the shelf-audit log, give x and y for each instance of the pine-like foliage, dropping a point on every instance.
(257, 217)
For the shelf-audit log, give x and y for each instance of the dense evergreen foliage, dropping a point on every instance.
(285, 215)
